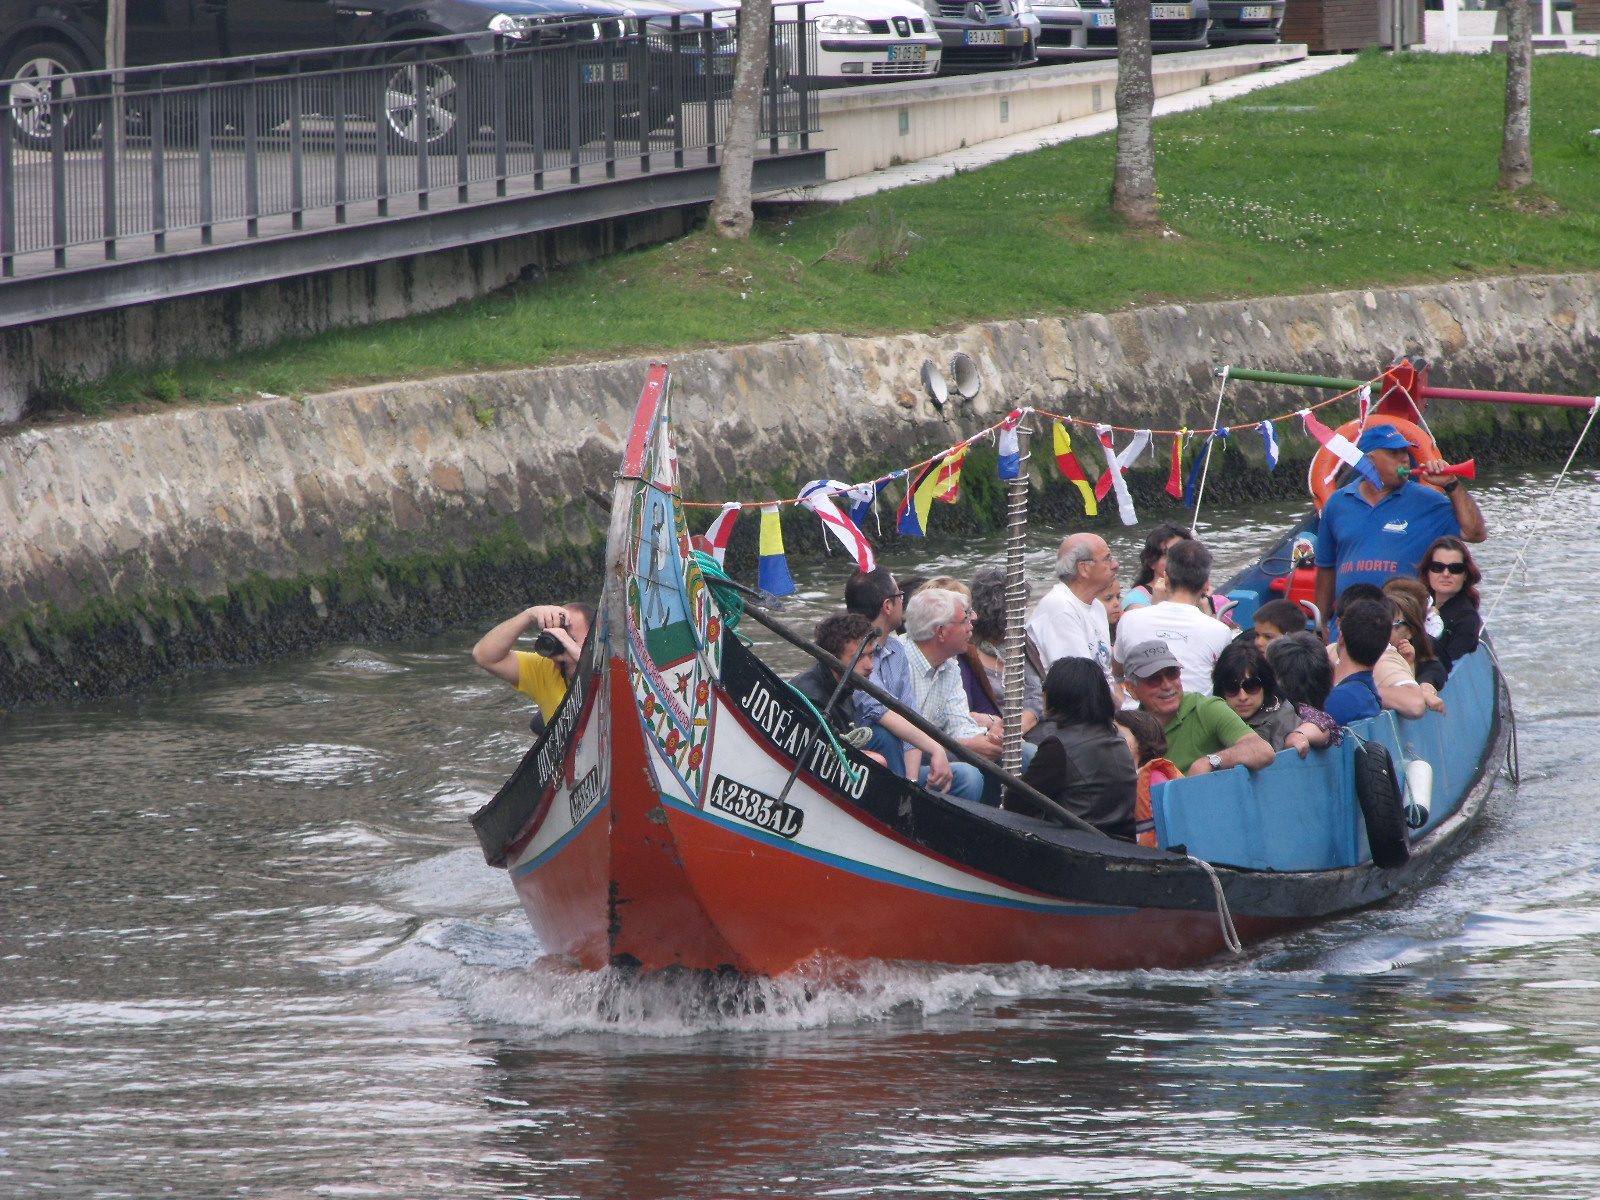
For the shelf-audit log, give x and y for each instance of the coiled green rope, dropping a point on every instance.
(721, 584)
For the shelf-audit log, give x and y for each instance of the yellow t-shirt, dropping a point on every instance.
(541, 680)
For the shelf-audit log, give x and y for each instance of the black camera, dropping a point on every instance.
(548, 644)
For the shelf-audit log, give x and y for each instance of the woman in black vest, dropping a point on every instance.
(1083, 764)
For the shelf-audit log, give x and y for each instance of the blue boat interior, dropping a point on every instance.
(1303, 814)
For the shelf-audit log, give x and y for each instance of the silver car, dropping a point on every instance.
(1086, 29)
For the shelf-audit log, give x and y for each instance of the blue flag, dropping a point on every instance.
(1270, 436)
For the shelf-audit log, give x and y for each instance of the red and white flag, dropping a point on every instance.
(720, 532)
(1341, 448)
(818, 497)
(1116, 464)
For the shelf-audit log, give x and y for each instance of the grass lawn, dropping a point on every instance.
(1388, 179)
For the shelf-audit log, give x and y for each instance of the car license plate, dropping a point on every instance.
(1105, 20)
(596, 72)
(1256, 12)
(986, 37)
(908, 54)
(1169, 12)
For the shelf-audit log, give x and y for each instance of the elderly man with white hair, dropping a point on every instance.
(1071, 621)
(938, 628)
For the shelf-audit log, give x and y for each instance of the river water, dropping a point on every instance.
(248, 947)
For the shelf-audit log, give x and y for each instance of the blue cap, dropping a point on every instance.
(1384, 437)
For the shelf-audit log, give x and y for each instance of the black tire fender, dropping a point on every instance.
(1382, 798)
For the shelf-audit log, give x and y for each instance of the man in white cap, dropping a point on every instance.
(1370, 535)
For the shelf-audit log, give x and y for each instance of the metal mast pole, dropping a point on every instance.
(1016, 602)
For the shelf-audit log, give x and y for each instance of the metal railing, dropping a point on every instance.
(95, 164)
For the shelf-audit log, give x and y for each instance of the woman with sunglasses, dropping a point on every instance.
(1452, 579)
(1243, 677)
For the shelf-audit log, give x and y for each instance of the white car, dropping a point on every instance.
(863, 41)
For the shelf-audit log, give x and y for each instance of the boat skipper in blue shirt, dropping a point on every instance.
(1372, 535)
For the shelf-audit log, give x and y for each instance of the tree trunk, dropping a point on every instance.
(731, 214)
(1516, 150)
(1133, 185)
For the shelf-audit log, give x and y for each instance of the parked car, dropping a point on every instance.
(1242, 22)
(429, 98)
(980, 35)
(861, 41)
(1087, 29)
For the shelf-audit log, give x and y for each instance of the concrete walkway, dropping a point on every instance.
(941, 165)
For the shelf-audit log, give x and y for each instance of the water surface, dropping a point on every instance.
(248, 947)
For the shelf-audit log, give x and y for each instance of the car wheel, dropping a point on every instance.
(426, 103)
(42, 94)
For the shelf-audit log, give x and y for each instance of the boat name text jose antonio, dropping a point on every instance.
(796, 736)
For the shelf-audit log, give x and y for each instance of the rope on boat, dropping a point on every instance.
(1520, 563)
(1205, 467)
(1513, 750)
(723, 589)
(1230, 934)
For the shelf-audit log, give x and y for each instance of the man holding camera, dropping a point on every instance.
(543, 675)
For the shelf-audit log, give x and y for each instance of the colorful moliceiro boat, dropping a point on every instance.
(654, 824)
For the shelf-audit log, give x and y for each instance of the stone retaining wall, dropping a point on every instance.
(133, 547)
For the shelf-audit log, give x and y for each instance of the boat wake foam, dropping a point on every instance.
(550, 997)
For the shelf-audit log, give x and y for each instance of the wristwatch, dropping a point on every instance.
(1215, 760)
(1451, 486)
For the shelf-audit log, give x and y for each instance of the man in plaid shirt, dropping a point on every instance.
(938, 628)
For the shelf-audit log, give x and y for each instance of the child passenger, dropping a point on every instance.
(1147, 741)
(1276, 618)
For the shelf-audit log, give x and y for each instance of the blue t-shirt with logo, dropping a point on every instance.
(1372, 543)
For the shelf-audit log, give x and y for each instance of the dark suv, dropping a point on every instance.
(581, 58)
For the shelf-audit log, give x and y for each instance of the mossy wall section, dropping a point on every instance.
(134, 547)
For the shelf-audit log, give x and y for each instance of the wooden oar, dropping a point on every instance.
(1065, 816)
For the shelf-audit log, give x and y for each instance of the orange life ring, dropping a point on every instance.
(1325, 464)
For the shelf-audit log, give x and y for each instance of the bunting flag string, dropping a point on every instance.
(939, 478)
(1009, 447)
(1116, 464)
(1175, 476)
(772, 568)
(1341, 448)
(816, 496)
(1270, 436)
(1072, 468)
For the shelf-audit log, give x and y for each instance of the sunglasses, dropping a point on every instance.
(1439, 568)
(1250, 684)
(1165, 675)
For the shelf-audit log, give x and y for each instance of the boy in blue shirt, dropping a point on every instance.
(1363, 637)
